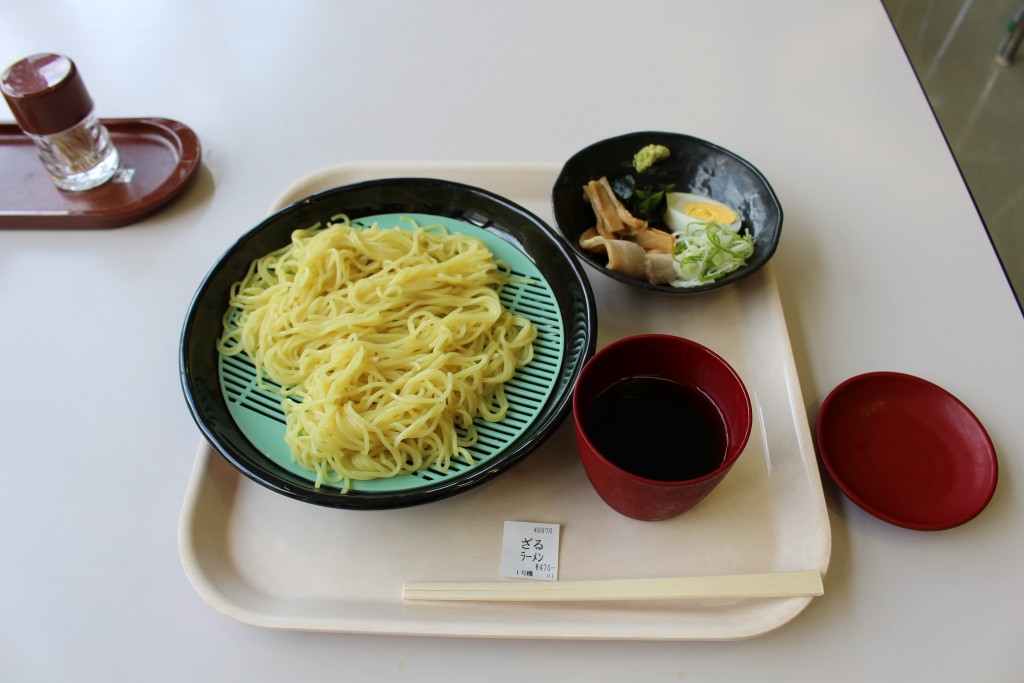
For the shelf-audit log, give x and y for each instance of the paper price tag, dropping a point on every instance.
(529, 550)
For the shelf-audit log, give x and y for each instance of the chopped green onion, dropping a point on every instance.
(705, 252)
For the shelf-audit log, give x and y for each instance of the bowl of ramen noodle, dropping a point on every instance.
(387, 343)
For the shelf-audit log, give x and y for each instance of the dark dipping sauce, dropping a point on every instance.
(658, 429)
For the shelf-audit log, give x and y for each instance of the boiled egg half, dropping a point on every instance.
(685, 210)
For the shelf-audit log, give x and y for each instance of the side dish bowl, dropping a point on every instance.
(555, 294)
(694, 166)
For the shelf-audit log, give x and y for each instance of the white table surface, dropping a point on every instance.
(883, 265)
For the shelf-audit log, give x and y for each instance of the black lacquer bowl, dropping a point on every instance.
(569, 319)
(695, 166)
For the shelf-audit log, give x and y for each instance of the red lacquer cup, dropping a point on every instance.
(682, 361)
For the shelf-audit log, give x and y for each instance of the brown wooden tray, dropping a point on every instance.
(160, 156)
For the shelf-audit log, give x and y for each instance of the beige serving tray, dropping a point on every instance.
(270, 561)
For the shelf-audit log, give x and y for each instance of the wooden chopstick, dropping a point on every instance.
(769, 585)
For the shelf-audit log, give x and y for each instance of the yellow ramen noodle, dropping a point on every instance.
(386, 344)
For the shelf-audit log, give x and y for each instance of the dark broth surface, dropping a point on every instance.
(657, 428)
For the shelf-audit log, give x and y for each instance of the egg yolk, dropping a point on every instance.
(706, 212)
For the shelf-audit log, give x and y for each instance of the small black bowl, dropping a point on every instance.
(694, 166)
(199, 358)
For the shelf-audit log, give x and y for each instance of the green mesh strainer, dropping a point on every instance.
(259, 415)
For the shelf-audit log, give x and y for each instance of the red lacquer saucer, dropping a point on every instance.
(907, 451)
